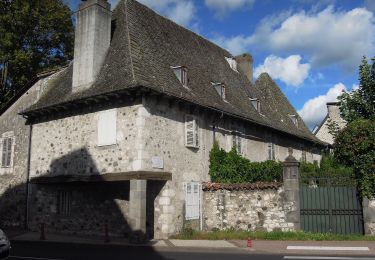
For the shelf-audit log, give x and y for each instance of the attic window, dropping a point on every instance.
(181, 74)
(294, 119)
(220, 89)
(256, 103)
(232, 63)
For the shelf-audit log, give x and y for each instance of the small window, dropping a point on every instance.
(63, 203)
(271, 151)
(237, 142)
(192, 200)
(232, 63)
(191, 131)
(181, 74)
(6, 157)
(220, 89)
(304, 157)
(294, 119)
(255, 103)
(107, 129)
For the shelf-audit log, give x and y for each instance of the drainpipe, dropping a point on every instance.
(28, 176)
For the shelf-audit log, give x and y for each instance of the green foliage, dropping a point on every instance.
(355, 147)
(361, 102)
(329, 167)
(35, 36)
(333, 127)
(233, 168)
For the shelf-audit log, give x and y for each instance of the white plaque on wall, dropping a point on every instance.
(157, 162)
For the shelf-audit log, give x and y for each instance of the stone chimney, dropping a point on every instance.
(333, 109)
(92, 39)
(245, 65)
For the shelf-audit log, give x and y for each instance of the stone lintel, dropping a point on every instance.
(109, 177)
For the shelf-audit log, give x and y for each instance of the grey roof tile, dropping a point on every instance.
(145, 46)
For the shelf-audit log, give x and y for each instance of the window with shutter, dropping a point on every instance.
(64, 203)
(192, 200)
(191, 131)
(271, 151)
(6, 152)
(107, 128)
(237, 142)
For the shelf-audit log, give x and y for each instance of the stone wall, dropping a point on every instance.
(13, 179)
(163, 135)
(69, 145)
(252, 210)
(89, 209)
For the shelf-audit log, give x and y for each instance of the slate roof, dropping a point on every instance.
(145, 46)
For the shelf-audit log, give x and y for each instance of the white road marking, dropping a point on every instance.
(32, 258)
(328, 248)
(327, 258)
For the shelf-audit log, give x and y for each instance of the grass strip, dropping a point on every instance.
(188, 234)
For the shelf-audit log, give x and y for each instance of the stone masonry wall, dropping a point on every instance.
(163, 137)
(91, 206)
(253, 210)
(69, 145)
(13, 178)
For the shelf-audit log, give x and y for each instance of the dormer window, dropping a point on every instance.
(294, 119)
(255, 103)
(232, 63)
(220, 89)
(181, 74)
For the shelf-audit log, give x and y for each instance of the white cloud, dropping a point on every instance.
(370, 5)
(223, 7)
(289, 70)
(327, 37)
(315, 109)
(182, 12)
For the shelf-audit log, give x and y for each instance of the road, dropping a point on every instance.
(69, 251)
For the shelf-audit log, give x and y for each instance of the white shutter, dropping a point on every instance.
(4, 153)
(107, 128)
(191, 131)
(192, 201)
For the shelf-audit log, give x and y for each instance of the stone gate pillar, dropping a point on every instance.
(291, 178)
(137, 210)
(369, 216)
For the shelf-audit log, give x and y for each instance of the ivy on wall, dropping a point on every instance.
(231, 167)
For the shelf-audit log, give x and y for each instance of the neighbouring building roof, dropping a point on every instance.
(322, 131)
(145, 46)
(210, 186)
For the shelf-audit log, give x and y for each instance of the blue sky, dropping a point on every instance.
(312, 48)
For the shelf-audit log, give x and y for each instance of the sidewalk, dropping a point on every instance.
(319, 247)
(358, 248)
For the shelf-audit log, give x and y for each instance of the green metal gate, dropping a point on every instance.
(330, 205)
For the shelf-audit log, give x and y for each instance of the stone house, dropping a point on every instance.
(121, 136)
(333, 116)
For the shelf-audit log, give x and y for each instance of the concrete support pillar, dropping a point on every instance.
(137, 210)
(369, 216)
(291, 178)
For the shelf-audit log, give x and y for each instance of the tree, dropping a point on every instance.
(355, 147)
(34, 36)
(361, 102)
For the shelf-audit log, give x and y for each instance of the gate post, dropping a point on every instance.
(369, 216)
(291, 178)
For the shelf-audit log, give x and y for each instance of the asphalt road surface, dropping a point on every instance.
(67, 251)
